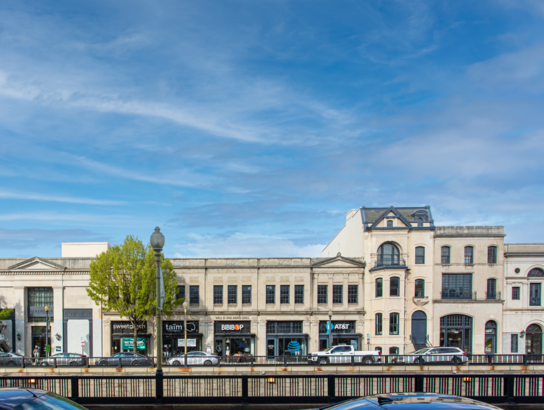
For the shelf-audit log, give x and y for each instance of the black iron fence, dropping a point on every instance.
(310, 389)
(287, 360)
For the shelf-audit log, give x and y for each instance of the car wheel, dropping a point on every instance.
(176, 363)
(73, 363)
(419, 361)
(368, 360)
(456, 361)
(43, 364)
(135, 363)
(207, 363)
(12, 363)
(103, 363)
(323, 361)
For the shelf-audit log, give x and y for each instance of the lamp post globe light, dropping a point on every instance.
(330, 328)
(157, 243)
(46, 308)
(185, 306)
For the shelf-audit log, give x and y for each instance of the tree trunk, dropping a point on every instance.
(135, 341)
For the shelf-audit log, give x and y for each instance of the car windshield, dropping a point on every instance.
(421, 351)
(50, 401)
(329, 349)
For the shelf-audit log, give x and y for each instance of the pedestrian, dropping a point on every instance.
(36, 353)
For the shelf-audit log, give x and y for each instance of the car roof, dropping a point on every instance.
(413, 401)
(15, 396)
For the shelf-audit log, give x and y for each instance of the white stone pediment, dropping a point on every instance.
(339, 262)
(36, 264)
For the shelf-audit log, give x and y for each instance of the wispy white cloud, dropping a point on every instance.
(243, 244)
(53, 198)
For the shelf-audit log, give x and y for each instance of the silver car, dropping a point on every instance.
(195, 358)
(13, 359)
(64, 359)
(125, 359)
(450, 355)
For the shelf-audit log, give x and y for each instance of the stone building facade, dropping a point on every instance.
(390, 279)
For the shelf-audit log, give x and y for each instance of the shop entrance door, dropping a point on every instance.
(270, 349)
(38, 339)
(323, 343)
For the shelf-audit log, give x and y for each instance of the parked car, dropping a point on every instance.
(411, 401)
(195, 358)
(18, 398)
(13, 359)
(64, 359)
(434, 355)
(127, 359)
(344, 354)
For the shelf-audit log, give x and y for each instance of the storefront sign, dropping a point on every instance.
(127, 343)
(177, 327)
(234, 328)
(126, 327)
(337, 327)
(190, 342)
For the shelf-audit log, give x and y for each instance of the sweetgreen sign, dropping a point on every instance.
(127, 343)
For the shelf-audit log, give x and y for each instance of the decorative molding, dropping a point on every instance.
(420, 301)
(78, 313)
(194, 279)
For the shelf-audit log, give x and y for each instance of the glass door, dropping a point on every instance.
(270, 349)
(323, 343)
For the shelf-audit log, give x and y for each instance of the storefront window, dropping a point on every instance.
(174, 338)
(234, 339)
(286, 340)
(456, 331)
(122, 337)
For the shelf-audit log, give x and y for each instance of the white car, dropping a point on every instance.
(450, 355)
(344, 355)
(195, 358)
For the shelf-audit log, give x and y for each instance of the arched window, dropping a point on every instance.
(420, 288)
(419, 329)
(388, 254)
(456, 331)
(469, 255)
(379, 327)
(446, 255)
(491, 289)
(389, 223)
(420, 255)
(379, 287)
(491, 254)
(533, 340)
(536, 273)
(490, 337)
(393, 350)
(394, 286)
(394, 324)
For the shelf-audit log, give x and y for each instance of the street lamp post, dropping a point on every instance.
(185, 306)
(330, 328)
(46, 330)
(157, 243)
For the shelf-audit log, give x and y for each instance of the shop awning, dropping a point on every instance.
(235, 335)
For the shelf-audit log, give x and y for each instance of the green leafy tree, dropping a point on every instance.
(123, 279)
(5, 313)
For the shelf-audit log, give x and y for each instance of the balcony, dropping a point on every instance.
(493, 295)
(457, 294)
(389, 263)
(535, 301)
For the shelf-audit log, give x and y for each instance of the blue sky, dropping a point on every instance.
(250, 128)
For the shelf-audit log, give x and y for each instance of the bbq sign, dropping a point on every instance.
(232, 327)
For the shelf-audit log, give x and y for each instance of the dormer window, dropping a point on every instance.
(389, 223)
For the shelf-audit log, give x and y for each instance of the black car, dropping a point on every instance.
(125, 359)
(411, 401)
(14, 398)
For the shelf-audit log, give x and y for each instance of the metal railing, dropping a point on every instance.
(256, 389)
(388, 261)
(293, 360)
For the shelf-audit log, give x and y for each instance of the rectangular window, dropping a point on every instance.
(420, 288)
(492, 254)
(322, 294)
(270, 294)
(299, 294)
(514, 343)
(515, 293)
(40, 297)
(284, 294)
(284, 327)
(420, 255)
(233, 294)
(353, 294)
(337, 291)
(246, 295)
(379, 287)
(180, 293)
(378, 324)
(491, 289)
(445, 255)
(194, 298)
(394, 286)
(469, 255)
(394, 324)
(456, 286)
(218, 295)
(535, 294)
